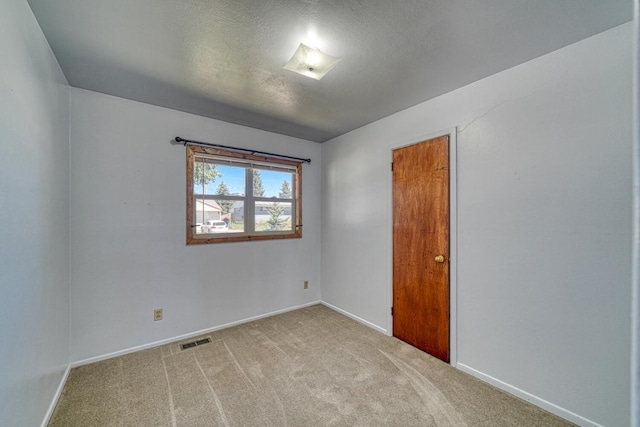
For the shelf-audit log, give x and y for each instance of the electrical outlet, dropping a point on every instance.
(157, 314)
(306, 284)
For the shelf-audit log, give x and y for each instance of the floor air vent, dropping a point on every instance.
(194, 343)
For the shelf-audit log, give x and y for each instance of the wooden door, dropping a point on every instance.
(421, 246)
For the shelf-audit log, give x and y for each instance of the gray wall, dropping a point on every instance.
(34, 197)
(128, 251)
(544, 225)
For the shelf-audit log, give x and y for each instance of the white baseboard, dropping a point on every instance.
(56, 397)
(356, 318)
(188, 335)
(548, 406)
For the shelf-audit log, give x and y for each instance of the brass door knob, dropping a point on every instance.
(440, 258)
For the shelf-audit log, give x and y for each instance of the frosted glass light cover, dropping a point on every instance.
(311, 62)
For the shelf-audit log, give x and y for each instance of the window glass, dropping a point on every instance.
(205, 211)
(267, 183)
(211, 178)
(273, 216)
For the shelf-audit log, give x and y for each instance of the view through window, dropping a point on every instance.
(239, 197)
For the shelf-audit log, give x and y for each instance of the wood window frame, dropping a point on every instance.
(193, 239)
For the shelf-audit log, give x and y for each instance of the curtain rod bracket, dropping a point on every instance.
(246, 150)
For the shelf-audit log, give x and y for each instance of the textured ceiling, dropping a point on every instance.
(223, 58)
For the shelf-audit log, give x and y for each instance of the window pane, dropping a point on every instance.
(218, 216)
(205, 212)
(272, 184)
(209, 178)
(273, 216)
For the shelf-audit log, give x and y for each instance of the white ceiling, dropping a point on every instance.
(223, 58)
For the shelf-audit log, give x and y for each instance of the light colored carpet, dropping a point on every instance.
(309, 367)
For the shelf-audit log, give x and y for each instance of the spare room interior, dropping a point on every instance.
(449, 178)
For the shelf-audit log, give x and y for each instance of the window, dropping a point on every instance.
(235, 197)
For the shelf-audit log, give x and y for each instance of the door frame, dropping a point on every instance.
(453, 234)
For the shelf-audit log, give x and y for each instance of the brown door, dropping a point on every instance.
(421, 246)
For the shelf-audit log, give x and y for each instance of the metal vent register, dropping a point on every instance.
(194, 343)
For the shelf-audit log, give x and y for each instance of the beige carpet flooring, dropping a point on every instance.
(309, 367)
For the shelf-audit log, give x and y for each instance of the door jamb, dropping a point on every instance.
(453, 235)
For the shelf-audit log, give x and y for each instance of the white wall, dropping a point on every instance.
(34, 242)
(544, 224)
(635, 309)
(127, 214)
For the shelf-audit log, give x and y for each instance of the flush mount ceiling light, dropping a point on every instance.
(311, 62)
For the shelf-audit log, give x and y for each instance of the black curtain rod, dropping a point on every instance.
(186, 142)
